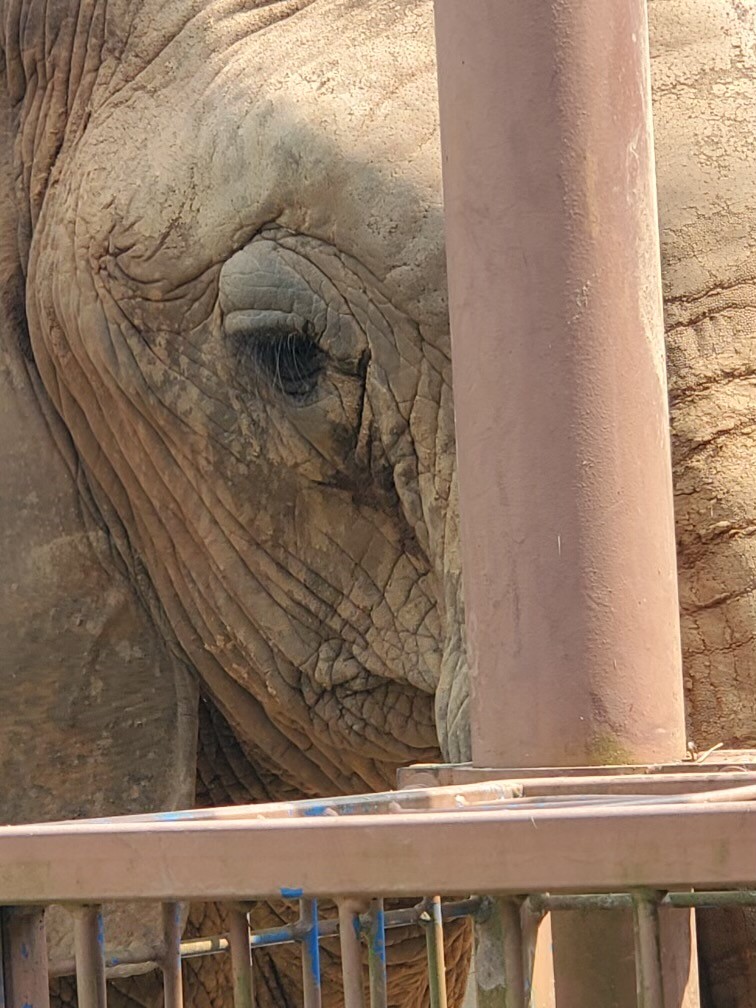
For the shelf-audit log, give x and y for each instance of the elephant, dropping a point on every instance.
(230, 513)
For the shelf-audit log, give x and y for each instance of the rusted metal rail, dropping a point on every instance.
(520, 855)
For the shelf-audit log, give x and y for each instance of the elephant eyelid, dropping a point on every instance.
(259, 324)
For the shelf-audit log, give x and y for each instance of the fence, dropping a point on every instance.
(644, 838)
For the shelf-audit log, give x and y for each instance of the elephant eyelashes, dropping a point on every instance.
(291, 360)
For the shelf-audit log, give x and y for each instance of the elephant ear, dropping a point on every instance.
(97, 717)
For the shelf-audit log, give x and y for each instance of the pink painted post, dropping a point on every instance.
(560, 398)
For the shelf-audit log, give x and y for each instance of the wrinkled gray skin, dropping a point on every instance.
(227, 424)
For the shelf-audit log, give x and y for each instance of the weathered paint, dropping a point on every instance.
(315, 810)
(291, 893)
(376, 938)
(273, 936)
(308, 929)
(351, 951)
(499, 957)
(26, 983)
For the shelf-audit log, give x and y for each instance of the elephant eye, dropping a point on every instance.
(291, 360)
(281, 348)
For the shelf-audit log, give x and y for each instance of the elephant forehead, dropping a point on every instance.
(325, 123)
(704, 78)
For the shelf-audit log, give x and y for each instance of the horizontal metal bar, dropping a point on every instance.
(382, 802)
(645, 784)
(663, 847)
(703, 900)
(734, 785)
(545, 902)
(475, 906)
(715, 762)
(192, 948)
(115, 963)
(276, 936)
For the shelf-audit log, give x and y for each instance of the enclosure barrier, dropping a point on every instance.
(637, 839)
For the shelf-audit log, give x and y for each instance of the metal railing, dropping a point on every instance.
(517, 853)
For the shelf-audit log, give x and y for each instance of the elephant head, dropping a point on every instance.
(231, 246)
(227, 391)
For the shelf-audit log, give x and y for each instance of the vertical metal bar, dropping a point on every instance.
(648, 960)
(89, 943)
(499, 957)
(532, 922)
(434, 941)
(173, 991)
(241, 959)
(310, 952)
(377, 955)
(351, 952)
(27, 983)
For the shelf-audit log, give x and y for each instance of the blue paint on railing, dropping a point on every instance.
(273, 936)
(312, 944)
(378, 937)
(288, 893)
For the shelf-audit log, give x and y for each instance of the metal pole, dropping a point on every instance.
(565, 483)
(89, 943)
(376, 937)
(434, 941)
(24, 946)
(308, 909)
(535, 925)
(173, 991)
(241, 960)
(351, 952)
(648, 964)
(499, 958)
